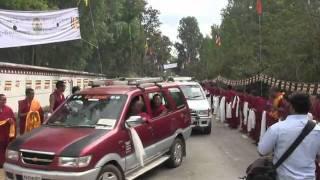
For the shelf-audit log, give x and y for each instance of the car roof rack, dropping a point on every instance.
(140, 83)
(180, 79)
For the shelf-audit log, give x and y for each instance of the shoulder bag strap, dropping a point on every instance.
(306, 130)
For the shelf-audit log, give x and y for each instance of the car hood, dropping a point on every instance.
(62, 141)
(198, 105)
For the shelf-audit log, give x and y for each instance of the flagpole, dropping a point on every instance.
(260, 51)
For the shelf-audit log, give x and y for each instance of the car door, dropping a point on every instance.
(146, 135)
(181, 112)
(162, 124)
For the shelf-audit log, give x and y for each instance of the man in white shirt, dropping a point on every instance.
(301, 163)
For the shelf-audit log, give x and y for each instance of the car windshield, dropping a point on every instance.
(192, 92)
(89, 111)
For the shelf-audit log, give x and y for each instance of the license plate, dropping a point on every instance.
(31, 177)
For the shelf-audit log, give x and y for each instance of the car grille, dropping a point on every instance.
(37, 158)
(193, 113)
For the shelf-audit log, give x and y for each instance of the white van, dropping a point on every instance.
(199, 106)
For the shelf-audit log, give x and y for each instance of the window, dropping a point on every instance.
(137, 107)
(28, 83)
(163, 100)
(89, 111)
(79, 82)
(159, 105)
(177, 97)
(46, 84)
(38, 84)
(192, 92)
(7, 85)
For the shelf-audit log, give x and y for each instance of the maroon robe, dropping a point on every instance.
(24, 108)
(260, 106)
(59, 99)
(316, 111)
(235, 121)
(230, 94)
(157, 111)
(252, 100)
(5, 114)
(245, 98)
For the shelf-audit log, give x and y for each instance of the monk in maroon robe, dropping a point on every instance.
(235, 120)
(316, 108)
(7, 127)
(24, 109)
(245, 98)
(57, 97)
(230, 94)
(259, 106)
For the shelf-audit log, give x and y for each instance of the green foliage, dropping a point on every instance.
(116, 43)
(290, 34)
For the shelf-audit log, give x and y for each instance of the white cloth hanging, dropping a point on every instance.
(237, 110)
(251, 120)
(138, 146)
(223, 109)
(229, 110)
(235, 104)
(263, 124)
(215, 104)
(245, 112)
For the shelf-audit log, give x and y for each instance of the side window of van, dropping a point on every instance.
(159, 104)
(178, 97)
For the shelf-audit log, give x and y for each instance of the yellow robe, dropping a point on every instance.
(33, 119)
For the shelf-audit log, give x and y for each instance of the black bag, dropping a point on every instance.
(264, 169)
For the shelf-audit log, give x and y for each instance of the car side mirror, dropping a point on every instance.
(134, 121)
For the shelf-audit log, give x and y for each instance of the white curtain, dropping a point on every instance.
(138, 146)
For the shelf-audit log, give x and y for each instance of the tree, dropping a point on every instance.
(158, 46)
(191, 38)
(290, 41)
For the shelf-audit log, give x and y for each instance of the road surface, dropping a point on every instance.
(224, 155)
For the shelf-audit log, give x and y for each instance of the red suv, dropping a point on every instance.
(118, 132)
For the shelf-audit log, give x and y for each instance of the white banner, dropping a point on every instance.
(23, 28)
(170, 66)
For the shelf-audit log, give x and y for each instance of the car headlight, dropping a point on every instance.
(204, 112)
(12, 155)
(74, 162)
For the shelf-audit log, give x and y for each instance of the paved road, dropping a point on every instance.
(224, 155)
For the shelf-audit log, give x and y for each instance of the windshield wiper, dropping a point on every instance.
(56, 125)
(193, 97)
(82, 126)
(105, 125)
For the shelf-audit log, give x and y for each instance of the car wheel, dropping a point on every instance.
(176, 153)
(207, 130)
(110, 172)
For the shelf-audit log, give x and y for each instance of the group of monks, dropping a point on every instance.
(30, 115)
(249, 111)
(252, 113)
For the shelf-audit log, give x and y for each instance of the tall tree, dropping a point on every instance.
(191, 38)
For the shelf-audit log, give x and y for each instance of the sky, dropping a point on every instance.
(207, 12)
